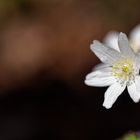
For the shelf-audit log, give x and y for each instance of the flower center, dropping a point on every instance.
(125, 68)
(122, 69)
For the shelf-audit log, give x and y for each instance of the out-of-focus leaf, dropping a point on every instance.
(130, 136)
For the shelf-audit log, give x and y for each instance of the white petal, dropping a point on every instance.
(137, 60)
(100, 78)
(105, 54)
(134, 94)
(124, 46)
(135, 38)
(137, 82)
(111, 40)
(101, 66)
(112, 93)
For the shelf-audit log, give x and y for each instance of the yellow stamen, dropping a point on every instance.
(125, 68)
(122, 69)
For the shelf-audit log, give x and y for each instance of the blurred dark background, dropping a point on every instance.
(44, 57)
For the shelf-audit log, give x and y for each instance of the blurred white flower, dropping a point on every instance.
(111, 39)
(119, 68)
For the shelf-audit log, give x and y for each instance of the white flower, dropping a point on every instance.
(119, 68)
(111, 39)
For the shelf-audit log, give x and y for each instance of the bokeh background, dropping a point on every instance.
(44, 58)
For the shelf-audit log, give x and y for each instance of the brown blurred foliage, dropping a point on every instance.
(53, 36)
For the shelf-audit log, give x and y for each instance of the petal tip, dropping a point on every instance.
(122, 34)
(87, 82)
(95, 45)
(136, 100)
(96, 42)
(107, 106)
